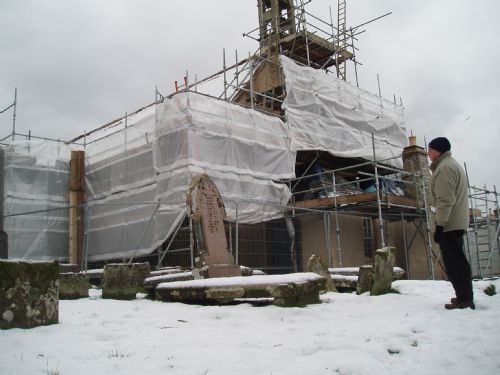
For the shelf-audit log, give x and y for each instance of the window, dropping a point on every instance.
(368, 236)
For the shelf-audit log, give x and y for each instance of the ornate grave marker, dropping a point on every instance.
(208, 214)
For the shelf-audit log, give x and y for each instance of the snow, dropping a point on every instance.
(408, 333)
(169, 276)
(242, 280)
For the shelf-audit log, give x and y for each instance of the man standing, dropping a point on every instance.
(448, 194)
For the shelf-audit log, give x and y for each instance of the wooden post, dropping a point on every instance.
(76, 200)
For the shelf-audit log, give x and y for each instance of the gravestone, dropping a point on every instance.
(29, 294)
(123, 281)
(73, 285)
(316, 265)
(208, 213)
(383, 271)
(365, 279)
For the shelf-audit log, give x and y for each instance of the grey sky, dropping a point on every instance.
(81, 63)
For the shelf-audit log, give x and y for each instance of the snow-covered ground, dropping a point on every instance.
(406, 333)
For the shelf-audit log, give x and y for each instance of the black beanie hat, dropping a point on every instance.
(440, 144)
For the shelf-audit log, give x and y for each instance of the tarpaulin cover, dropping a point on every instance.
(137, 178)
(329, 114)
(36, 204)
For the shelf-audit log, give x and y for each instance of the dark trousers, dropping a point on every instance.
(456, 265)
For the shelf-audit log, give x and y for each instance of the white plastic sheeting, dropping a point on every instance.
(137, 178)
(328, 114)
(36, 203)
(242, 150)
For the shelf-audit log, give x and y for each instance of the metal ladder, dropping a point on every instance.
(341, 39)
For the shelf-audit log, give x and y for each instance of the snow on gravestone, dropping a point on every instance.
(28, 294)
(208, 214)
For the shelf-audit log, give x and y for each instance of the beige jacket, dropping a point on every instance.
(449, 193)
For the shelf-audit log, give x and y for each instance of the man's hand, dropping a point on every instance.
(438, 233)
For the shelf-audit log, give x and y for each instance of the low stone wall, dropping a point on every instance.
(29, 294)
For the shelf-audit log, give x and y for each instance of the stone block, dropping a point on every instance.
(123, 281)
(29, 294)
(315, 264)
(383, 271)
(73, 286)
(365, 279)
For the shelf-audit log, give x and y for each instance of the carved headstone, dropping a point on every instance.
(208, 214)
(365, 279)
(383, 271)
(316, 265)
(29, 294)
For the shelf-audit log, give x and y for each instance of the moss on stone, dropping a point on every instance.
(28, 294)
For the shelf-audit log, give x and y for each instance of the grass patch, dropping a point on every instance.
(117, 353)
(490, 290)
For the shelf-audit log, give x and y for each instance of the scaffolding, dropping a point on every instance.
(378, 191)
(257, 81)
(483, 237)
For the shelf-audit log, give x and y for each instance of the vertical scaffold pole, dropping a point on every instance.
(250, 67)
(191, 241)
(237, 239)
(379, 201)
(328, 244)
(337, 225)
(474, 219)
(14, 114)
(497, 217)
(225, 76)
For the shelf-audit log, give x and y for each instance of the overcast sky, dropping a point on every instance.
(78, 64)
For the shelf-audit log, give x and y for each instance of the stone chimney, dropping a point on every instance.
(415, 162)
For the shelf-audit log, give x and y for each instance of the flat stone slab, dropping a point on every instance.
(298, 289)
(178, 274)
(152, 282)
(166, 271)
(29, 294)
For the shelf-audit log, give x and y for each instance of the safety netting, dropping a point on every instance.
(326, 113)
(137, 178)
(36, 180)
